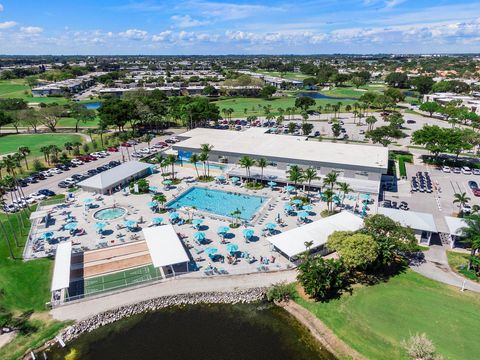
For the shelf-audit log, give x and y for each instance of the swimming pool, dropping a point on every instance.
(212, 166)
(110, 213)
(219, 202)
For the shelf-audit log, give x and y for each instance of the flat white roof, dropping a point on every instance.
(164, 246)
(415, 220)
(257, 143)
(61, 269)
(112, 176)
(455, 225)
(292, 242)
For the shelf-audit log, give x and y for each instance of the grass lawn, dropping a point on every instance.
(288, 75)
(374, 320)
(70, 122)
(11, 143)
(16, 88)
(459, 263)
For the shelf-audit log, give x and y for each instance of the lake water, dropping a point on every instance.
(317, 95)
(92, 106)
(200, 332)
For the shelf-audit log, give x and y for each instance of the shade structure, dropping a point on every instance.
(221, 177)
(47, 235)
(197, 221)
(272, 183)
(167, 182)
(223, 230)
(248, 233)
(232, 247)
(288, 207)
(199, 236)
(302, 214)
(307, 207)
(289, 188)
(235, 179)
(130, 223)
(173, 215)
(164, 246)
(88, 200)
(152, 204)
(157, 220)
(71, 226)
(100, 225)
(61, 270)
(297, 202)
(152, 188)
(270, 226)
(210, 251)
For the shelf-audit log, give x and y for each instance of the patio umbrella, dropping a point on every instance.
(130, 223)
(302, 214)
(199, 236)
(173, 215)
(289, 188)
(270, 226)
(47, 235)
(167, 182)
(223, 230)
(88, 200)
(272, 183)
(235, 179)
(157, 220)
(221, 177)
(197, 222)
(307, 207)
(365, 196)
(248, 233)
(152, 204)
(152, 189)
(232, 247)
(210, 251)
(297, 202)
(100, 225)
(288, 207)
(71, 226)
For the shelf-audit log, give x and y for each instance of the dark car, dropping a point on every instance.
(22, 182)
(114, 163)
(92, 171)
(46, 192)
(64, 185)
(411, 121)
(102, 168)
(31, 180)
(77, 177)
(63, 167)
(473, 185)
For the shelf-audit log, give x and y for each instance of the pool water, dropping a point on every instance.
(92, 106)
(219, 202)
(200, 165)
(318, 95)
(110, 213)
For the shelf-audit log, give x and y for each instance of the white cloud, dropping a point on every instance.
(390, 4)
(31, 30)
(7, 24)
(185, 21)
(134, 34)
(1, 7)
(230, 11)
(163, 36)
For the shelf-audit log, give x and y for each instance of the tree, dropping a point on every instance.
(161, 198)
(209, 90)
(171, 160)
(370, 120)
(291, 127)
(423, 84)
(24, 151)
(307, 128)
(115, 112)
(420, 347)
(309, 175)
(4, 119)
(430, 107)
(357, 251)
(330, 179)
(397, 79)
(295, 174)
(205, 151)
(29, 117)
(344, 189)
(246, 162)
(461, 199)
(395, 95)
(384, 135)
(471, 235)
(432, 137)
(336, 129)
(49, 116)
(81, 114)
(262, 164)
(194, 159)
(304, 102)
(267, 91)
(358, 81)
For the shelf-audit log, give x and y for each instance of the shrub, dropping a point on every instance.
(94, 145)
(37, 165)
(86, 148)
(280, 292)
(420, 347)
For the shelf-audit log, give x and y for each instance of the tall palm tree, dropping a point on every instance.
(68, 146)
(345, 189)
(46, 153)
(309, 175)
(330, 179)
(471, 235)
(160, 160)
(206, 148)
(203, 157)
(461, 199)
(171, 159)
(329, 198)
(295, 174)
(24, 151)
(194, 159)
(262, 163)
(247, 162)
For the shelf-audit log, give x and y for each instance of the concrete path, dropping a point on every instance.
(88, 308)
(436, 268)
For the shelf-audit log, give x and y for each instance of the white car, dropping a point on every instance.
(137, 155)
(475, 171)
(47, 173)
(29, 199)
(10, 208)
(466, 209)
(446, 169)
(466, 170)
(97, 155)
(145, 150)
(77, 162)
(55, 170)
(70, 181)
(104, 153)
(38, 196)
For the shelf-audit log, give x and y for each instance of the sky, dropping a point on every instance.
(203, 27)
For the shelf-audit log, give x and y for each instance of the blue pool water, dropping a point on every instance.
(92, 106)
(318, 95)
(109, 213)
(219, 202)
(213, 166)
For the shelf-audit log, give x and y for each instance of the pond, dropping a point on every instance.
(92, 105)
(318, 95)
(213, 332)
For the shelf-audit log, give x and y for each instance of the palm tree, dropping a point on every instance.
(46, 153)
(309, 175)
(161, 198)
(345, 189)
(148, 138)
(24, 151)
(247, 162)
(160, 160)
(68, 146)
(194, 159)
(329, 198)
(171, 159)
(206, 148)
(295, 174)
(370, 120)
(77, 145)
(461, 199)
(203, 157)
(262, 164)
(330, 179)
(471, 235)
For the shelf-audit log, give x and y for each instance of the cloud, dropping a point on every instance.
(7, 24)
(390, 4)
(134, 34)
(1, 7)
(31, 30)
(163, 36)
(230, 11)
(185, 21)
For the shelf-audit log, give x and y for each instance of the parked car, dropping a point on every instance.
(97, 155)
(466, 170)
(456, 170)
(410, 121)
(466, 209)
(446, 169)
(46, 192)
(56, 170)
(112, 149)
(473, 185)
(125, 144)
(64, 184)
(476, 171)
(77, 162)
(37, 196)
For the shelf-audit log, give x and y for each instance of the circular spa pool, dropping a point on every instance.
(111, 213)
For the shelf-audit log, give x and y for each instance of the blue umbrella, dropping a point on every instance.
(248, 233)
(152, 204)
(88, 201)
(197, 221)
(297, 202)
(167, 182)
(130, 223)
(221, 177)
(235, 179)
(153, 189)
(71, 226)
(223, 230)
(365, 196)
(232, 248)
(173, 215)
(100, 225)
(289, 188)
(199, 236)
(157, 220)
(302, 214)
(307, 207)
(47, 235)
(270, 226)
(272, 183)
(288, 207)
(210, 251)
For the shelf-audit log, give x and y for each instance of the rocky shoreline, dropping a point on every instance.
(108, 317)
